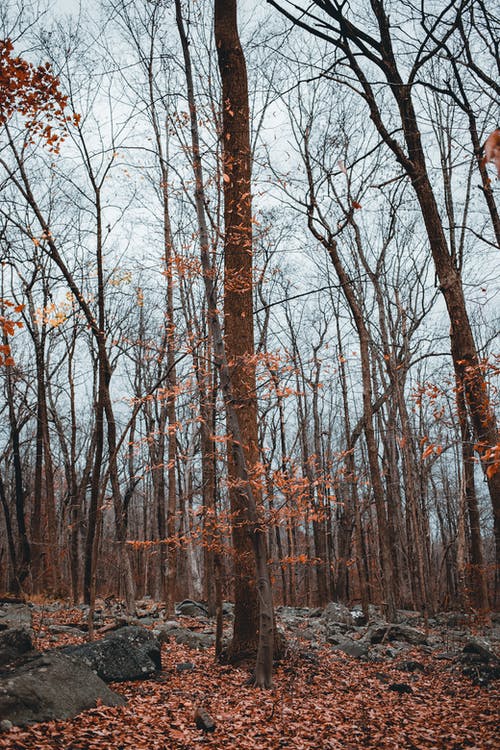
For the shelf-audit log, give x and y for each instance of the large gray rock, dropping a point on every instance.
(184, 636)
(383, 631)
(481, 648)
(190, 608)
(131, 653)
(339, 613)
(14, 642)
(356, 649)
(51, 686)
(15, 615)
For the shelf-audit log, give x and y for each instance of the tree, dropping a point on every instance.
(235, 374)
(380, 50)
(238, 304)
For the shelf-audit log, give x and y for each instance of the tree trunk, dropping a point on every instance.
(238, 305)
(263, 671)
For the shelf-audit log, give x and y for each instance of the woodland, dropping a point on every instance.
(249, 318)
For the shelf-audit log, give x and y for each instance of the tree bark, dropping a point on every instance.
(238, 305)
(237, 436)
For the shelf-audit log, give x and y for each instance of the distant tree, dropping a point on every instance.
(377, 49)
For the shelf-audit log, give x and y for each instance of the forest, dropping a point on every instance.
(249, 317)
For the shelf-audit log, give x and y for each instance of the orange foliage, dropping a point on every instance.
(491, 150)
(491, 457)
(33, 92)
(7, 328)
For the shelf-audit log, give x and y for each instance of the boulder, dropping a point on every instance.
(15, 615)
(480, 648)
(14, 642)
(356, 649)
(184, 636)
(383, 631)
(131, 653)
(358, 617)
(51, 686)
(190, 608)
(337, 612)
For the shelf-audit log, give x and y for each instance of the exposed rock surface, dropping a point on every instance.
(191, 609)
(15, 616)
(131, 653)
(190, 638)
(383, 631)
(338, 613)
(51, 686)
(356, 649)
(14, 642)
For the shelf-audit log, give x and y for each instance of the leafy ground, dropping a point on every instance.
(322, 700)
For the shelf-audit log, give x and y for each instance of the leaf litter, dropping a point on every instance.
(321, 700)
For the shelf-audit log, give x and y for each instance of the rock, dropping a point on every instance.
(203, 720)
(410, 665)
(356, 649)
(51, 686)
(184, 666)
(337, 612)
(480, 648)
(400, 687)
(131, 653)
(65, 629)
(358, 618)
(380, 632)
(184, 636)
(6, 725)
(191, 609)
(14, 642)
(15, 616)
(316, 612)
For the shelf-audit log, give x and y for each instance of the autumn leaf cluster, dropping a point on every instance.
(34, 93)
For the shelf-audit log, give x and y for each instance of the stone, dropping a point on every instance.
(480, 648)
(337, 612)
(51, 686)
(184, 666)
(190, 608)
(14, 642)
(358, 618)
(130, 653)
(15, 616)
(184, 636)
(381, 632)
(410, 665)
(356, 649)
(400, 687)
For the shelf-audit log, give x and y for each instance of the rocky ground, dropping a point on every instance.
(343, 682)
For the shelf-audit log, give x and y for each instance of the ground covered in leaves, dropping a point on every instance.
(322, 700)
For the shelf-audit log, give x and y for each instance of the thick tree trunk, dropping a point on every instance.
(237, 435)
(238, 306)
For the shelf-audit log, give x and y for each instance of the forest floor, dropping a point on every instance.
(321, 700)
